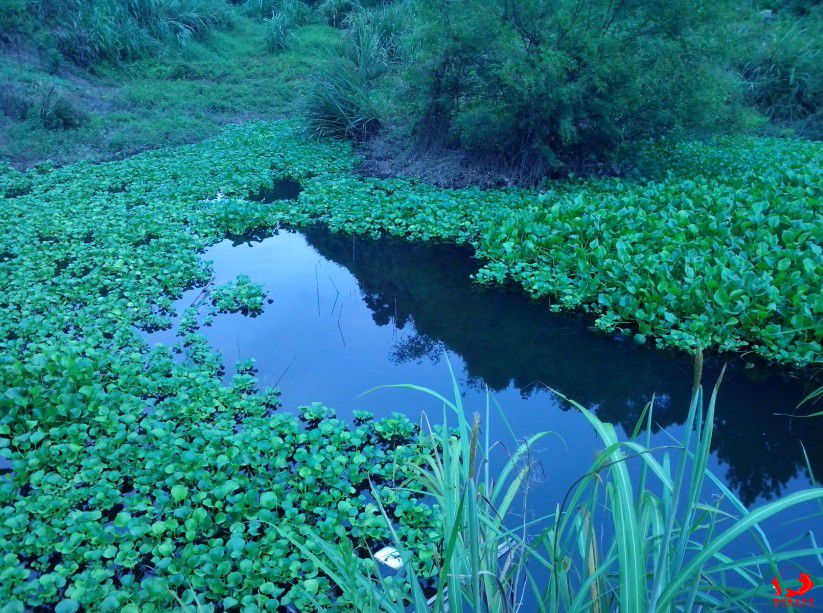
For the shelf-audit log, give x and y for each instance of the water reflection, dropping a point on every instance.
(505, 339)
(284, 188)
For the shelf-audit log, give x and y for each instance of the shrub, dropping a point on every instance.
(55, 110)
(278, 32)
(544, 85)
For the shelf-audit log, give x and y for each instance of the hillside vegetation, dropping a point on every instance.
(521, 90)
(172, 91)
(534, 89)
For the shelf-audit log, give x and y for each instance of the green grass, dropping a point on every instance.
(184, 94)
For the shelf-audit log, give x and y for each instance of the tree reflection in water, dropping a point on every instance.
(505, 340)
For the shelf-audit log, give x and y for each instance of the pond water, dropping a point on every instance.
(349, 314)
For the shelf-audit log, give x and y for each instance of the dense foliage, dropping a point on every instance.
(132, 477)
(241, 295)
(540, 88)
(782, 64)
(540, 83)
(89, 32)
(522, 86)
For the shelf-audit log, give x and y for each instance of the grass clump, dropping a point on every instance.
(783, 70)
(343, 100)
(479, 561)
(55, 110)
(278, 32)
(338, 104)
(299, 12)
(90, 32)
(336, 11)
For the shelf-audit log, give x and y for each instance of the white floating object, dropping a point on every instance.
(390, 557)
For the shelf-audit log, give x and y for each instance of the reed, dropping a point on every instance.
(651, 539)
(669, 529)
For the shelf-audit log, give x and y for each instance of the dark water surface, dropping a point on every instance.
(350, 314)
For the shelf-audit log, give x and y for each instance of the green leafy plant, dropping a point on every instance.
(241, 295)
(691, 269)
(136, 476)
